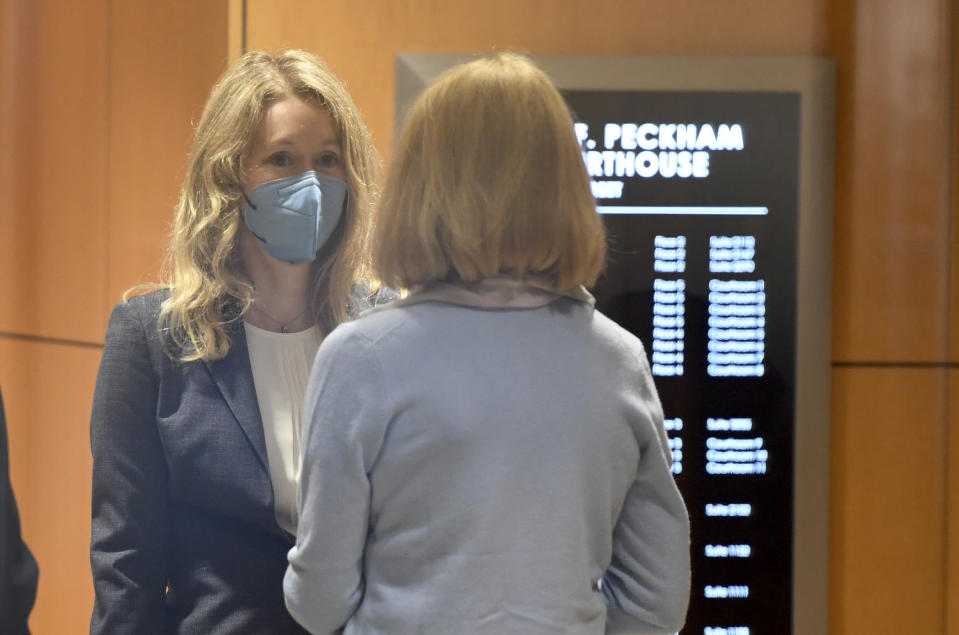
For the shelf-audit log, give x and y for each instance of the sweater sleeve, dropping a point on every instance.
(647, 584)
(128, 548)
(345, 426)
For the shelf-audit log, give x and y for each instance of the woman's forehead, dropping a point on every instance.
(292, 119)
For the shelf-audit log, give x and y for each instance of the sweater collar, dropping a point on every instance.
(493, 293)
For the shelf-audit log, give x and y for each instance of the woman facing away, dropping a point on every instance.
(488, 454)
(195, 430)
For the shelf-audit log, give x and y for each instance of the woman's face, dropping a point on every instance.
(295, 136)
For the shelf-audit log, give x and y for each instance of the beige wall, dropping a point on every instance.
(95, 133)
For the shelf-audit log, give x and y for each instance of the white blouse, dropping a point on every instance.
(281, 365)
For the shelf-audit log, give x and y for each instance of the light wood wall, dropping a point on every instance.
(96, 104)
(894, 319)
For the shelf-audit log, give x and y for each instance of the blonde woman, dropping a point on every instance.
(196, 416)
(488, 454)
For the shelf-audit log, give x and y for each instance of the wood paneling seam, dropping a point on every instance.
(885, 364)
(56, 341)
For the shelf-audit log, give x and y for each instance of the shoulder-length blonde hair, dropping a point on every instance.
(487, 180)
(208, 288)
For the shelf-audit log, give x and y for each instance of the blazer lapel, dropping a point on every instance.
(234, 377)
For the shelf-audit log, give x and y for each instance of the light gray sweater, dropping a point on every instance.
(472, 471)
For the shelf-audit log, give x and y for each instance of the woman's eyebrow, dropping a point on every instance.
(331, 142)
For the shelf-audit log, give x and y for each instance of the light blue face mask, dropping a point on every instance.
(294, 216)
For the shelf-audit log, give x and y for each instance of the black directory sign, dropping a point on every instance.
(699, 194)
(713, 177)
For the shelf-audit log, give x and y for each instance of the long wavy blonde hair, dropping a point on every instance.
(208, 287)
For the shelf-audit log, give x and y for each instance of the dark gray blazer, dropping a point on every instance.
(184, 535)
(18, 569)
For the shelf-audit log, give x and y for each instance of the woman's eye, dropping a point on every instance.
(328, 160)
(280, 159)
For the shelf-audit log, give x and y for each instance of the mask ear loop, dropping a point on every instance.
(248, 201)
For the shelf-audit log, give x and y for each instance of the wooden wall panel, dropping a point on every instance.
(954, 301)
(954, 245)
(47, 391)
(952, 494)
(954, 253)
(954, 203)
(892, 180)
(164, 58)
(97, 101)
(888, 486)
(53, 123)
(359, 40)
(952, 498)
